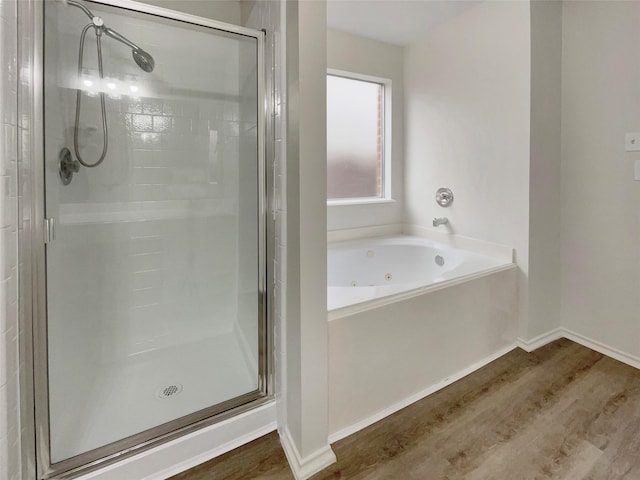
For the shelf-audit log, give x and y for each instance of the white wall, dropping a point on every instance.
(599, 198)
(361, 55)
(228, 11)
(544, 170)
(305, 435)
(467, 98)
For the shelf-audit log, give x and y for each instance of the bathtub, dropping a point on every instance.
(408, 316)
(396, 267)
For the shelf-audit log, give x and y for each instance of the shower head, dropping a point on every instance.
(143, 59)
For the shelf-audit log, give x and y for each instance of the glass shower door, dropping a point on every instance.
(154, 267)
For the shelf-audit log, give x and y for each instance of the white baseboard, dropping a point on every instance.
(526, 345)
(304, 468)
(540, 340)
(561, 332)
(351, 429)
(612, 352)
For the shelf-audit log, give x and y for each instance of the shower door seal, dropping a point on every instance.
(36, 240)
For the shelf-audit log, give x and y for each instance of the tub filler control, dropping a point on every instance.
(444, 197)
(439, 260)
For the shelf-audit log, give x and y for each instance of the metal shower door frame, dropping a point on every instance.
(34, 241)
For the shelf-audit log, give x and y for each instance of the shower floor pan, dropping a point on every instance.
(149, 390)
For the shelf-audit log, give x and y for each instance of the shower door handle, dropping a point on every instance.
(49, 230)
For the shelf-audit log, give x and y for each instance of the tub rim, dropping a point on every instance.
(502, 254)
(348, 310)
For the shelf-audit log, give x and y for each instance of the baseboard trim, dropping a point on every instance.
(304, 468)
(541, 340)
(561, 332)
(526, 345)
(356, 427)
(607, 350)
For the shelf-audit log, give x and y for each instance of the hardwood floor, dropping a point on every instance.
(561, 412)
(263, 458)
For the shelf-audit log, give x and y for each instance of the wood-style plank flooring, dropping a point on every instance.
(561, 412)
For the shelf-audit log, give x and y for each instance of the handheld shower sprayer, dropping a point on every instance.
(141, 57)
(67, 166)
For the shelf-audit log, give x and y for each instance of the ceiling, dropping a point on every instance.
(398, 22)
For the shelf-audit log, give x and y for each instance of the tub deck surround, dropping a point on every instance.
(385, 358)
(475, 245)
(441, 312)
(364, 232)
(482, 247)
(371, 272)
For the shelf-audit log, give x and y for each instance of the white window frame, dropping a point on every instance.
(386, 196)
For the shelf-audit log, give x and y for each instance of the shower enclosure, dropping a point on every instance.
(152, 318)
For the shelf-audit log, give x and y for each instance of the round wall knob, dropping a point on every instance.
(67, 166)
(444, 197)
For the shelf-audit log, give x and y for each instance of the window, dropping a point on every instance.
(356, 163)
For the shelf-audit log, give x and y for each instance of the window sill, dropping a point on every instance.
(359, 201)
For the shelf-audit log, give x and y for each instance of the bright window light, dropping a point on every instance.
(355, 138)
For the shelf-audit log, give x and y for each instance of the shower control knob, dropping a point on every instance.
(67, 166)
(444, 197)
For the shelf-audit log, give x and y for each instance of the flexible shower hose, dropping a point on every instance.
(76, 128)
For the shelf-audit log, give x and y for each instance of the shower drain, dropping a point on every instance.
(169, 391)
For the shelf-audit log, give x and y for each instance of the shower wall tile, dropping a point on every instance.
(278, 21)
(141, 123)
(9, 326)
(145, 158)
(4, 447)
(156, 274)
(153, 107)
(151, 175)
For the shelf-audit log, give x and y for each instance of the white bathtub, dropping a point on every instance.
(360, 271)
(410, 326)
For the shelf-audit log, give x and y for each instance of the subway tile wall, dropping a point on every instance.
(159, 218)
(9, 325)
(153, 230)
(159, 149)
